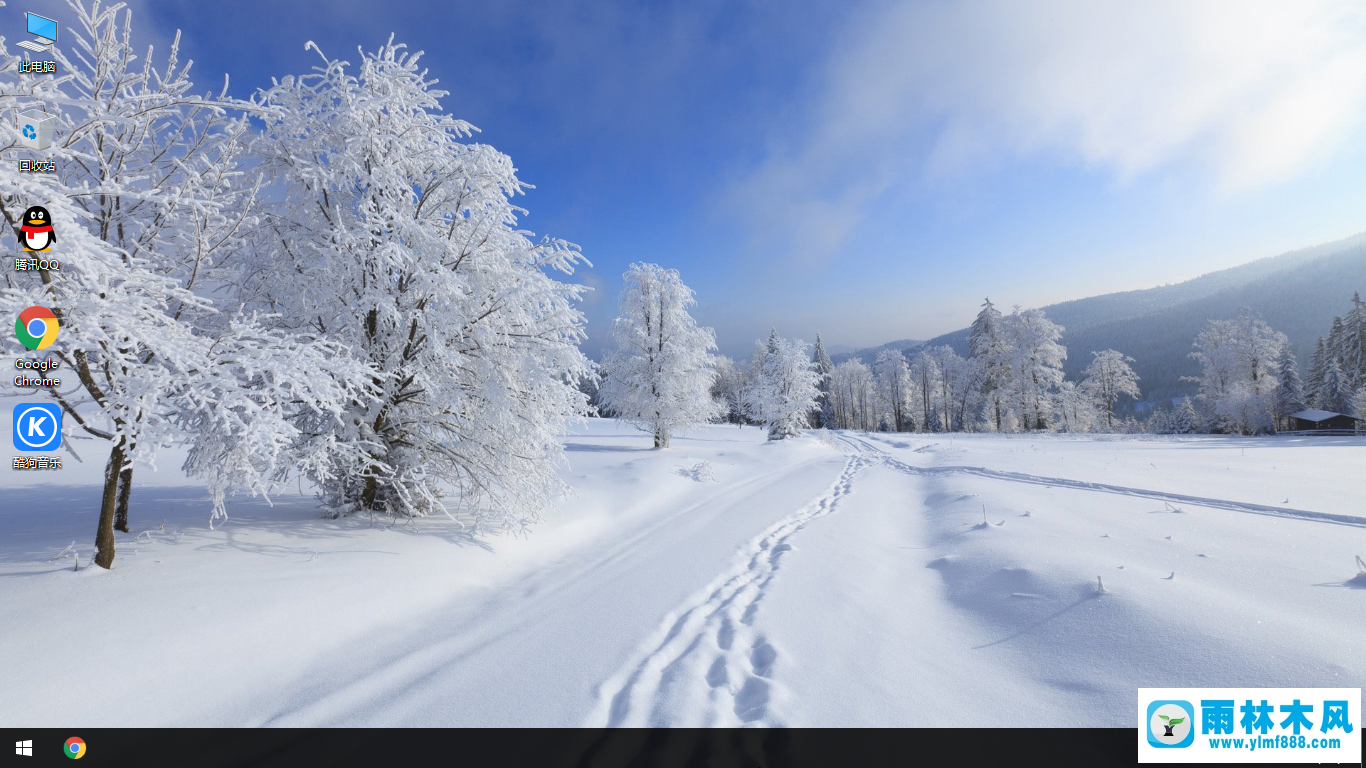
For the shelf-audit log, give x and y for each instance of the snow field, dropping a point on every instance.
(1206, 596)
(836, 579)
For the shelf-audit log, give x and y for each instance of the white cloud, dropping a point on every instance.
(596, 285)
(1244, 94)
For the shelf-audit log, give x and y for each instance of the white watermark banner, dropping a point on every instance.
(1249, 725)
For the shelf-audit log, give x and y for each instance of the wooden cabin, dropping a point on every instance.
(1315, 420)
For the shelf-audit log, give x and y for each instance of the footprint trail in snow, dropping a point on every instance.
(708, 665)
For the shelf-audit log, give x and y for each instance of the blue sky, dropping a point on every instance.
(872, 170)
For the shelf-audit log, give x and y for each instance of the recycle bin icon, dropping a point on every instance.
(35, 129)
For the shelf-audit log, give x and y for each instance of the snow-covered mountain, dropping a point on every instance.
(846, 349)
(1297, 293)
(869, 354)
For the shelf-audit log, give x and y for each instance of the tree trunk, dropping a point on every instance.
(370, 495)
(371, 491)
(125, 490)
(104, 534)
(661, 440)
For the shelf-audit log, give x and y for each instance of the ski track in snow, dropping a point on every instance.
(1081, 485)
(418, 658)
(708, 657)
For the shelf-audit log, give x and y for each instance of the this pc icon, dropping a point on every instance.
(44, 30)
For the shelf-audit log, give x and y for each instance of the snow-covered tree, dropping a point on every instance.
(1238, 371)
(1159, 422)
(1336, 343)
(1035, 364)
(661, 371)
(1359, 404)
(968, 407)
(1108, 378)
(728, 388)
(150, 202)
(854, 391)
(1184, 419)
(1290, 391)
(396, 237)
(925, 377)
(589, 384)
(1079, 410)
(1336, 393)
(1353, 344)
(893, 388)
(1318, 371)
(1337, 370)
(1338, 366)
(988, 350)
(953, 387)
(824, 415)
(1010, 422)
(784, 386)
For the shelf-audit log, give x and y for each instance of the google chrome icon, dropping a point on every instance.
(75, 748)
(36, 327)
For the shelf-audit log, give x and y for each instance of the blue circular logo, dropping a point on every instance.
(1170, 724)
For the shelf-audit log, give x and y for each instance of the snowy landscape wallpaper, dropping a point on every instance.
(877, 363)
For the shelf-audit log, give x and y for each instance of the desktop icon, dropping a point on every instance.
(35, 129)
(36, 328)
(24, 747)
(75, 748)
(38, 427)
(44, 31)
(1176, 721)
(35, 229)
